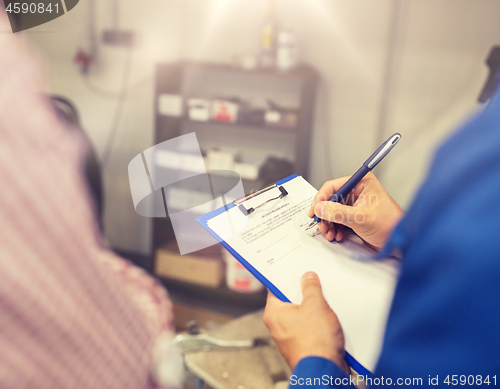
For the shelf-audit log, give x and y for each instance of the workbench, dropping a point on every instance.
(260, 367)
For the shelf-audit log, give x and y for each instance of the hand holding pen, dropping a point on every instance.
(369, 210)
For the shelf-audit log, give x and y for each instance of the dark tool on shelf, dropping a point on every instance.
(275, 169)
(248, 211)
(195, 340)
(493, 62)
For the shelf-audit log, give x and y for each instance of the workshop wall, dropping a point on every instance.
(413, 66)
(157, 28)
(438, 73)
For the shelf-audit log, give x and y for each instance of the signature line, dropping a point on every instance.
(289, 252)
(276, 242)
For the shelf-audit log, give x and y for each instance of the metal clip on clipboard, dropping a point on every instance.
(239, 202)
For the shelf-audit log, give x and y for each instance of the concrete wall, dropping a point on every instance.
(412, 66)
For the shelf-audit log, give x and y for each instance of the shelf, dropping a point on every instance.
(286, 129)
(300, 71)
(221, 299)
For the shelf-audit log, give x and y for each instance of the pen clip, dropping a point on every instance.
(382, 151)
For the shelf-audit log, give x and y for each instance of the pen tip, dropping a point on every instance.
(312, 224)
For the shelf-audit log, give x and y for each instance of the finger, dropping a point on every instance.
(270, 312)
(324, 226)
(327, 191)
(331, 187)
(339, 233)
(272, 300)
(328, 230)
(335, 213)
(311, 289)
(332, 232)
(318, 198)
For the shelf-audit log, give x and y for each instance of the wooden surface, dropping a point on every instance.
(206, 319)
(261, 367)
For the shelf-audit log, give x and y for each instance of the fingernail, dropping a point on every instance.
(318, 210)
(310, 275)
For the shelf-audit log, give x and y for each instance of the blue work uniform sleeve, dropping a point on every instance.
(317, 372)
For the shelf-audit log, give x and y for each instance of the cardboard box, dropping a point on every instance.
(206, 269)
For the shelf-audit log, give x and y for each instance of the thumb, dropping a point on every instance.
(335, 213)
(273, 301)
(311, 289)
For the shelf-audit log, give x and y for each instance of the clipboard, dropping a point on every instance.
(204, 221)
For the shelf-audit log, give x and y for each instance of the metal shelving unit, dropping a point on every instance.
(295, 90)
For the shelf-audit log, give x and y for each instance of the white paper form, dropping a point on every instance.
(273, 240)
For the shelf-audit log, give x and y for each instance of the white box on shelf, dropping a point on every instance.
(248, 171)
(220, 160)
(170, 105)
(199, 110)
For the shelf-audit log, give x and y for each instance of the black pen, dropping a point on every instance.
(369, 164)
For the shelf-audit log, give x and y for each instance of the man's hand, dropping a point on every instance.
(369, 211)
(308, 329)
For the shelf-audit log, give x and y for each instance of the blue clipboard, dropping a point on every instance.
(203, 220)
